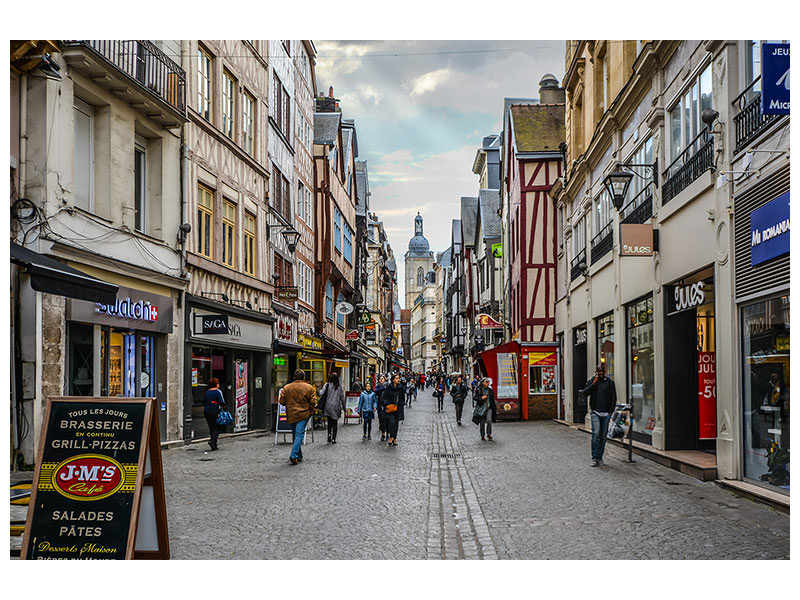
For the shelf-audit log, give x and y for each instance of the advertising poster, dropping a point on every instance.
(507, 376)
(351, 405)
(707, 395)
(283, 424)
(240, 419)
(86, 484)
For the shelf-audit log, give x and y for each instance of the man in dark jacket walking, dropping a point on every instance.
(459, 393)
(603, 395)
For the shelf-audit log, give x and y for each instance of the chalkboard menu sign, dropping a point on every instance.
(95, 456)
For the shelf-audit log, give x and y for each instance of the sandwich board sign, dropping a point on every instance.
(98, 488)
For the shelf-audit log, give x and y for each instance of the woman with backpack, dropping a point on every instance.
(334, 404)
(392, 401)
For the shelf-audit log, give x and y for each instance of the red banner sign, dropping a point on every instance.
(707, 395)
(351, 335)
(487, 322)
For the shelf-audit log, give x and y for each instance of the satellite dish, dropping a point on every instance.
(344, 308)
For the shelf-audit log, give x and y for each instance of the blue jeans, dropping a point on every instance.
(298, 433)
(599, 430)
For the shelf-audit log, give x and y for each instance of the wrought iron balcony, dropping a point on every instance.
(139, 73)
(640, 208)
(603, 242)
(577, 265)
(749, 122)
(696, 159)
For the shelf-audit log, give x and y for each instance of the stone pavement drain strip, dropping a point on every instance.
(457, 527)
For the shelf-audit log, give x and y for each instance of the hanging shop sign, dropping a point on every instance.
(497, 250)
(241, 332)
(487, 322)
(370, 335)
(309, 341)
(636, 239)
(351, 335)
(288, 292)
(344, 308)
(685, 297)
(769, 230)
(707, 395)
(133, 309)
(775, 79)
(366, 318)
(285, 328)
(98, 488)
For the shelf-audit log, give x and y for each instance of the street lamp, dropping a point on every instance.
(617, 184)
(290, 235)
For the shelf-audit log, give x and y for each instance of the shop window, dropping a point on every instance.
(605, 343)
(228, 233)
(81, 360)
(765, 353)
(542, 379)
(641, 369)
(205, 221)
(315, 372)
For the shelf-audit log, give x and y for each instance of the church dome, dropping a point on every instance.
(418, 244)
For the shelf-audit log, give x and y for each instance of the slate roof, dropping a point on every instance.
(444, 259)
(326, 127)
(469, 217)
(538, 128)
(489, 203)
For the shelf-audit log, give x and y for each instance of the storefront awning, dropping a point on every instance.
(286, 346)
(53, 277)
(358, 355)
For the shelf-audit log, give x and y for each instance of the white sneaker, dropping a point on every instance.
(595, 463)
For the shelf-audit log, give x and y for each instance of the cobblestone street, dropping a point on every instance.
(444, 494)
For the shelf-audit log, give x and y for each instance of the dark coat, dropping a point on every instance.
(603, 394)
(380, 390)
(489, 393)
(213, 401)
(459, 392)
(394, 395)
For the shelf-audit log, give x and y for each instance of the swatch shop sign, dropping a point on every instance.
(133, 309)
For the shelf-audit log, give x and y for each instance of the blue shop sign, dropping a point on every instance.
(775, 79)
(769, 230)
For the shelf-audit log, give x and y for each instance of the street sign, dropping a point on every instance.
(775, 79)
(288, 292)
(98, 488)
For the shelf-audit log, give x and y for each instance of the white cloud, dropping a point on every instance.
(428, 82)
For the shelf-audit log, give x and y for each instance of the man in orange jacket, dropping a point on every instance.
(299, 398)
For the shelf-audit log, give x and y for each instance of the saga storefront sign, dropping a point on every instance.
(241, 332)
(775, 79)
(133, 309)
(769, 230)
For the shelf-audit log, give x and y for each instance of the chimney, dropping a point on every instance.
(550, 92)
(330, 92)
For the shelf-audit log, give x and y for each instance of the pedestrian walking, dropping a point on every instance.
(393, 399)
(367, 404)
(459, 393)
(213, 402)
(486, 408)
(299, 398)
(603, 394)
(380, 389)
(409, 391)
(438, 391)
(334, 404)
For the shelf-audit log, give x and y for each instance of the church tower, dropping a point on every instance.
(419, 260)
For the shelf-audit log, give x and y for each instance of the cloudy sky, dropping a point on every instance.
(421, 110)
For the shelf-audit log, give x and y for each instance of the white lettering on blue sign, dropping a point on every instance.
(769, 230)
